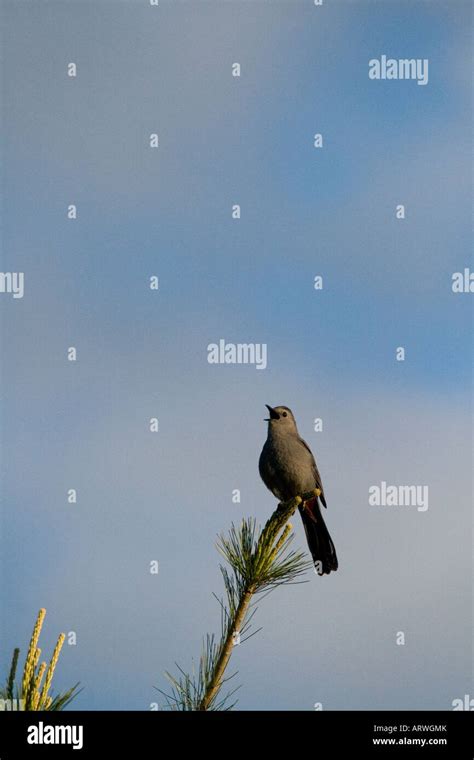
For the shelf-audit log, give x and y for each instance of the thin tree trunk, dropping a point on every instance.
(226, 653)
(273, 526)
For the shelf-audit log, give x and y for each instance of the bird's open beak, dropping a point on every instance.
(273, 415)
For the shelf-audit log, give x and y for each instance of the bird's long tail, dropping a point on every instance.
(320, 542)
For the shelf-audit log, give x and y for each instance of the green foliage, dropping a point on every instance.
(32, 693)
(259, 561)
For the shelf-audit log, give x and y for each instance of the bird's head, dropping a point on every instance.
(281, 419)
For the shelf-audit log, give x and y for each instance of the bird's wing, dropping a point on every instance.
(268, 473)
(317, 476)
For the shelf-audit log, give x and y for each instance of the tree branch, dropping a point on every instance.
(257, 564)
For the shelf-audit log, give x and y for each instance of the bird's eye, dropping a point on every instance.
(285, 414)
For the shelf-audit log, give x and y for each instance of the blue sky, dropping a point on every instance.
(331, 354)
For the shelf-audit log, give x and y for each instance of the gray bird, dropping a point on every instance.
(288, 469)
